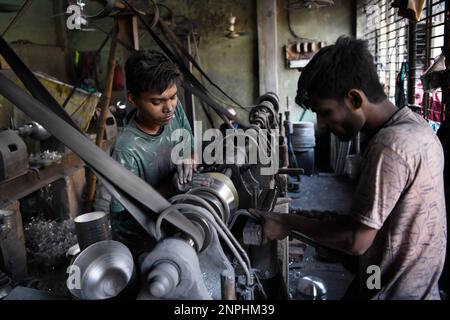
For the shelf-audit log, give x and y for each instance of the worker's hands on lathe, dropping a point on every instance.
(274, 224)
(186, 170)
(198, 180)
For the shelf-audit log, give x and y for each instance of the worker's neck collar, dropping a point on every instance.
(153, 131)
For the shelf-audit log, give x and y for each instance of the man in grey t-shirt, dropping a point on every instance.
(401, 194)
(397, 223)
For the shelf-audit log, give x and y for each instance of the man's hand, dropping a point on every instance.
(275, 226)
(185, 171)
(198, 180)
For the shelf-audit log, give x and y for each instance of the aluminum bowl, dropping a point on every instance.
(312, 288)
(226, 189)
(106, 269)
(72, 252)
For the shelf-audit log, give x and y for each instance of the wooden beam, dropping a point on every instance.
(268, 46)
(128, 32)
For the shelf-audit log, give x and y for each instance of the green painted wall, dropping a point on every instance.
(36, 25)
(322, 24)
(231, 63)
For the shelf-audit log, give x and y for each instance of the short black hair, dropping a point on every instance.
(337, 69)
(150, 71)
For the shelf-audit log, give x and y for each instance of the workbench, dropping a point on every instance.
(19, 187)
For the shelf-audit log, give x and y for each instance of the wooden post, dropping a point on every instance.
(267, 46)
(92, 179)
(128, 33)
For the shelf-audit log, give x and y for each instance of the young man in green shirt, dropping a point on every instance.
(145, 144)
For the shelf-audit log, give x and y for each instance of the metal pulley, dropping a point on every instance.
(34, 130)
(271, 97)
(265, 113)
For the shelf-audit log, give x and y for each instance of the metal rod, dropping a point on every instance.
(228, 286)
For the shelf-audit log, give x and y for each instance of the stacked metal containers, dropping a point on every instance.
(303, 143)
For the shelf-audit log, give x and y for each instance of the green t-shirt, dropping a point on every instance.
(147, 156)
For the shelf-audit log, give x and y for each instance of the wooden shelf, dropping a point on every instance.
(19, 187)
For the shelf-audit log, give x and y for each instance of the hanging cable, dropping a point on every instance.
(289, 7)
(197, 53)
(26, 4)
(164, 26)
(163, 46)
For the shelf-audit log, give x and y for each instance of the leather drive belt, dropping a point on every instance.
(129, 189)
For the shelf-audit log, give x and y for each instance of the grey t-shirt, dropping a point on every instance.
(401, 194)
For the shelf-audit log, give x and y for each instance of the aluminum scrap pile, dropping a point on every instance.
(48, 241)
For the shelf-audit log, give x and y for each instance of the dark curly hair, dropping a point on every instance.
(337, 69)
(150, 71)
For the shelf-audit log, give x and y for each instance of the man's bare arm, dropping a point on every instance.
(345, 234)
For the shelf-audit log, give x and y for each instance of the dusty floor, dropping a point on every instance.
(323, 193)
(320, 196)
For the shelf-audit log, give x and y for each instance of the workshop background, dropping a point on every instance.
(248, 48)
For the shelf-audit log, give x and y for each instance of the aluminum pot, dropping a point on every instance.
(106, 268)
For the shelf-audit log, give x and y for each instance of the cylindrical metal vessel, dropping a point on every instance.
(303, 143)
(303, 135)
(91, 228)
